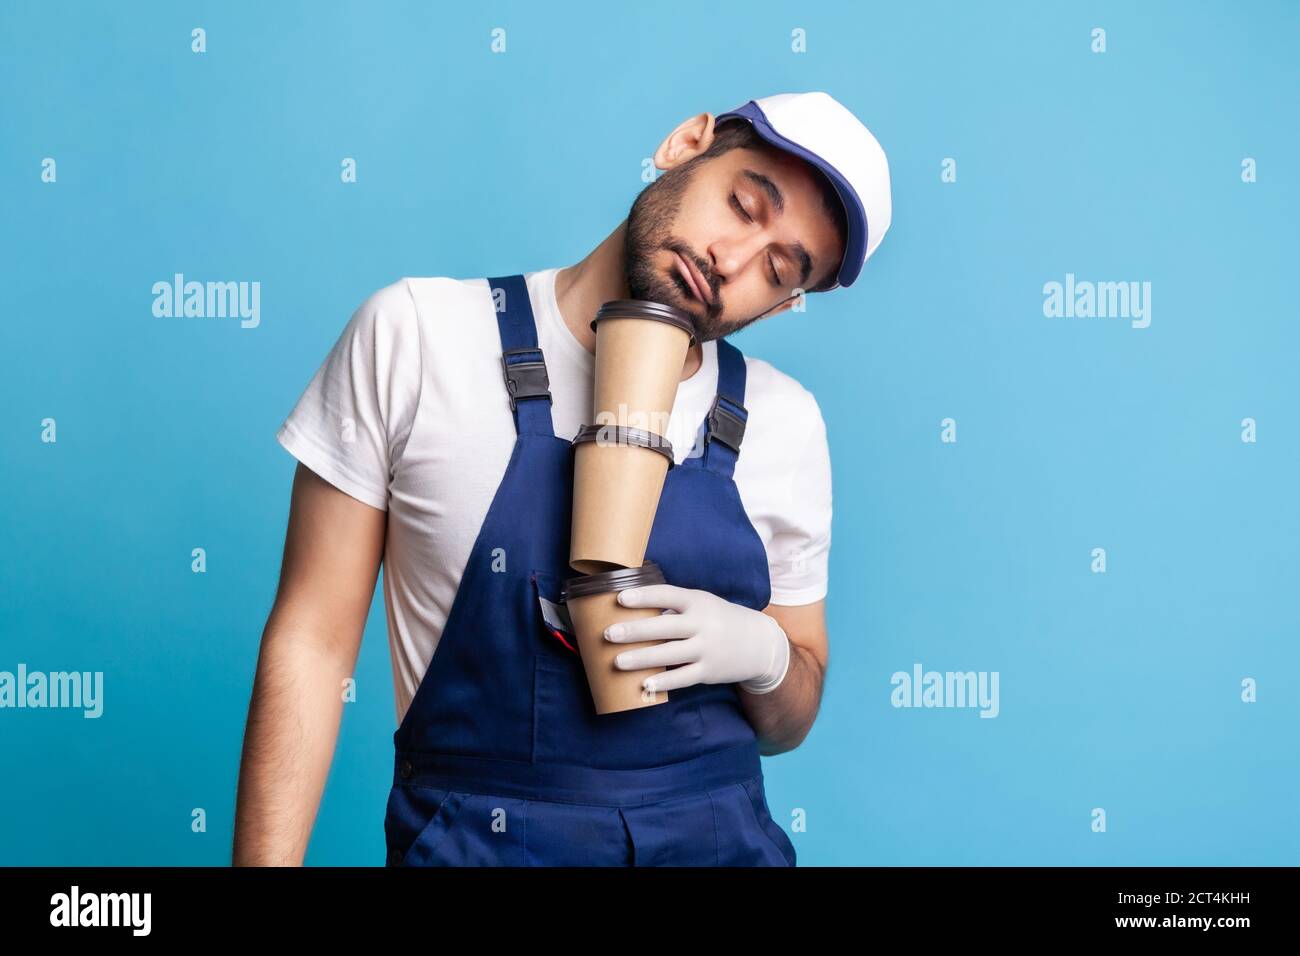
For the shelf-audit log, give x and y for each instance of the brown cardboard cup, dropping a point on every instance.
(640, 353)
(618, 474)
(593, 605)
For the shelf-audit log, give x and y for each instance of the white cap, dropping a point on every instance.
(817, 129)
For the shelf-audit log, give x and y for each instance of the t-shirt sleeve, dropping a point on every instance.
(799, 553)
(351, 424)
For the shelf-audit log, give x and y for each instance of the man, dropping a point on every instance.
(431, 439)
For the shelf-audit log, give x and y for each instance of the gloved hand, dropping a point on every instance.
(715, 641)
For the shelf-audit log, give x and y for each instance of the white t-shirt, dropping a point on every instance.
(409, 414)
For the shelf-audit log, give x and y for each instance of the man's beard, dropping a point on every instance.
(649, 232)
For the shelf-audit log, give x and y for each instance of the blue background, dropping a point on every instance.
(1118, 690)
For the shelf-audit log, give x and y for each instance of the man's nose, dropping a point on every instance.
(732, 254)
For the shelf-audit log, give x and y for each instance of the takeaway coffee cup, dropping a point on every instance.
(618, 474)
(640, 352)
(593, 605)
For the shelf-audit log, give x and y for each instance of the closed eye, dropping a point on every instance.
(740, 210)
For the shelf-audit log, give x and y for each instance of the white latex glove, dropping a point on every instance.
(715, 641)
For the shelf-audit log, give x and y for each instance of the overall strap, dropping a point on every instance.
(522, 364)
(725, 423)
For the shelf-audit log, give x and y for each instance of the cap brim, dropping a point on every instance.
(854, 213)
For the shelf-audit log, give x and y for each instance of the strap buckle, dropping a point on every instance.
(525, 379)
(724, 425)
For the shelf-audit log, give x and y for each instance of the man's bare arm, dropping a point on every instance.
(332, 551)
(783, 717)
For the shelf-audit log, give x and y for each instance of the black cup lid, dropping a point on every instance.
(616, 580)
(645, 309)
(628, 436)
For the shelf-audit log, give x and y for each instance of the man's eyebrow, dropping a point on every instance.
(777, 198)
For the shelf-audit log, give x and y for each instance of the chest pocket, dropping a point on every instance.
(554, 615)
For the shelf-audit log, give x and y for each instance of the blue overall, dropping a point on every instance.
(501, 758)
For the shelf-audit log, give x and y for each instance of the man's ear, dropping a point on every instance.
(691, 138)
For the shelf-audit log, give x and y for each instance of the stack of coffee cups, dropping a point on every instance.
(620, 462)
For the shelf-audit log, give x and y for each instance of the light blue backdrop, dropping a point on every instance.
(1120, 691)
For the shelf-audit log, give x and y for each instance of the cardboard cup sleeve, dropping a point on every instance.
(640, 352)
(593, 605)
(618, 475)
